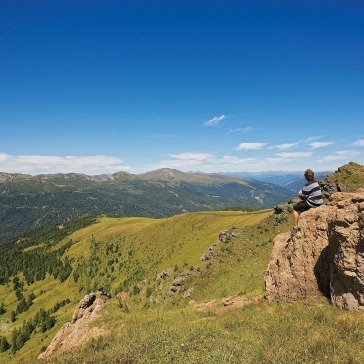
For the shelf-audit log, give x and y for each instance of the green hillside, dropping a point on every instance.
(125, 254)
(348, 177)
(28, 201)
(46, 273)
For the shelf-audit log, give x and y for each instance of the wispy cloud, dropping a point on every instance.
(317, 145)
(312, 139)
(184, 161)
(233, 161)
(341, 155)
(285, 146)
(294, 154)
(241, 130)
(359, 143)
(250, 146)
(215, 121)
(191, 156)
(37, 164)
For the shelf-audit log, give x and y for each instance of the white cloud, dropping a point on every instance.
(209, 163)
(191, 156)
(311, 139)
(214, 121)
(285, 146)
(294, 154)
(359, 143)
(241, 130)
(317, 145)
(234, 161)
(280, 161)
(38, 164)
(340, 156)
(184, 161)
(3, 157)
(250, 146)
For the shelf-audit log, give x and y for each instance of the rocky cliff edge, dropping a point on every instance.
(77, 332)
(325, 258)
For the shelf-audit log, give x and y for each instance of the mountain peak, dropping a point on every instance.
(165, 174)
(169, 175)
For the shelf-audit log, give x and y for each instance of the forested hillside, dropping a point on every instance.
(33, 201)
(163, 266)
(45, 274)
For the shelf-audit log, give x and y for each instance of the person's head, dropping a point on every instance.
(309, 175)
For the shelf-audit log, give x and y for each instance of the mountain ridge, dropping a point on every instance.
(160, 273)
(30, 201)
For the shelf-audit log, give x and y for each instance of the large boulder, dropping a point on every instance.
(325, 258)
(77, 332)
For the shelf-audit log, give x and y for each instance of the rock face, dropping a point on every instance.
(224, 237)
(325, 258)
(76, 333)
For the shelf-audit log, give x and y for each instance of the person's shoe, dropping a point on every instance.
(295, 231)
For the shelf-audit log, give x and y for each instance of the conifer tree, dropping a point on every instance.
(4, 345)
(12, 316)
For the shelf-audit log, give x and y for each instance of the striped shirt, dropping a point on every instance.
(311, 193)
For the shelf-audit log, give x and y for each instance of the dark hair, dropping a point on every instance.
(309, 174)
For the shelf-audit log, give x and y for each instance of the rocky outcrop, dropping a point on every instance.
(77, 332)
(178, 283)
(325, 258)
(219, 306)
(224, 237)
(346, 179)
(329, 187)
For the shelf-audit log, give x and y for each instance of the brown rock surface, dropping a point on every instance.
(77, 332)
(325, 257)
(220, 306)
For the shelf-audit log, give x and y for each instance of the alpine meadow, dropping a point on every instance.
(187, 288)
(181, 182)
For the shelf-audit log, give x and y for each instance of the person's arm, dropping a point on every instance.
(301, 195)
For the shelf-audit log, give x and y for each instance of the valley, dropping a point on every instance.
(186, 288)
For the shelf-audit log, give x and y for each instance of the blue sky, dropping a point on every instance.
(102, 86)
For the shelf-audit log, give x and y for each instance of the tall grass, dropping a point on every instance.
(145, 247)
(173, 331)
(303, 332)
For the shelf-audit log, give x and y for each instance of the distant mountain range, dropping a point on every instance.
(213, 261)
(292, 181)
(32, 201)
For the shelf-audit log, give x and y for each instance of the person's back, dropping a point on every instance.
(311, 192)
(310, 196)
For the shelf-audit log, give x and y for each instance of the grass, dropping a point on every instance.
(143, 245)
(302, 332)
(153, 245)
(172, 331)
(48, 292)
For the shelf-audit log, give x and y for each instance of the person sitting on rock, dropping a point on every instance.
(310, 196)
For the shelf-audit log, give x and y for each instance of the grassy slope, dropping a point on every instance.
(302, 332)
(351, 175)
(348, 177)
(29, 202)
(261, 332)
(156, 244)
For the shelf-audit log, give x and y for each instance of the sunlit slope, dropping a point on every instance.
(48, 293)
(35, 201)
(128, 255)
(119, 253)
